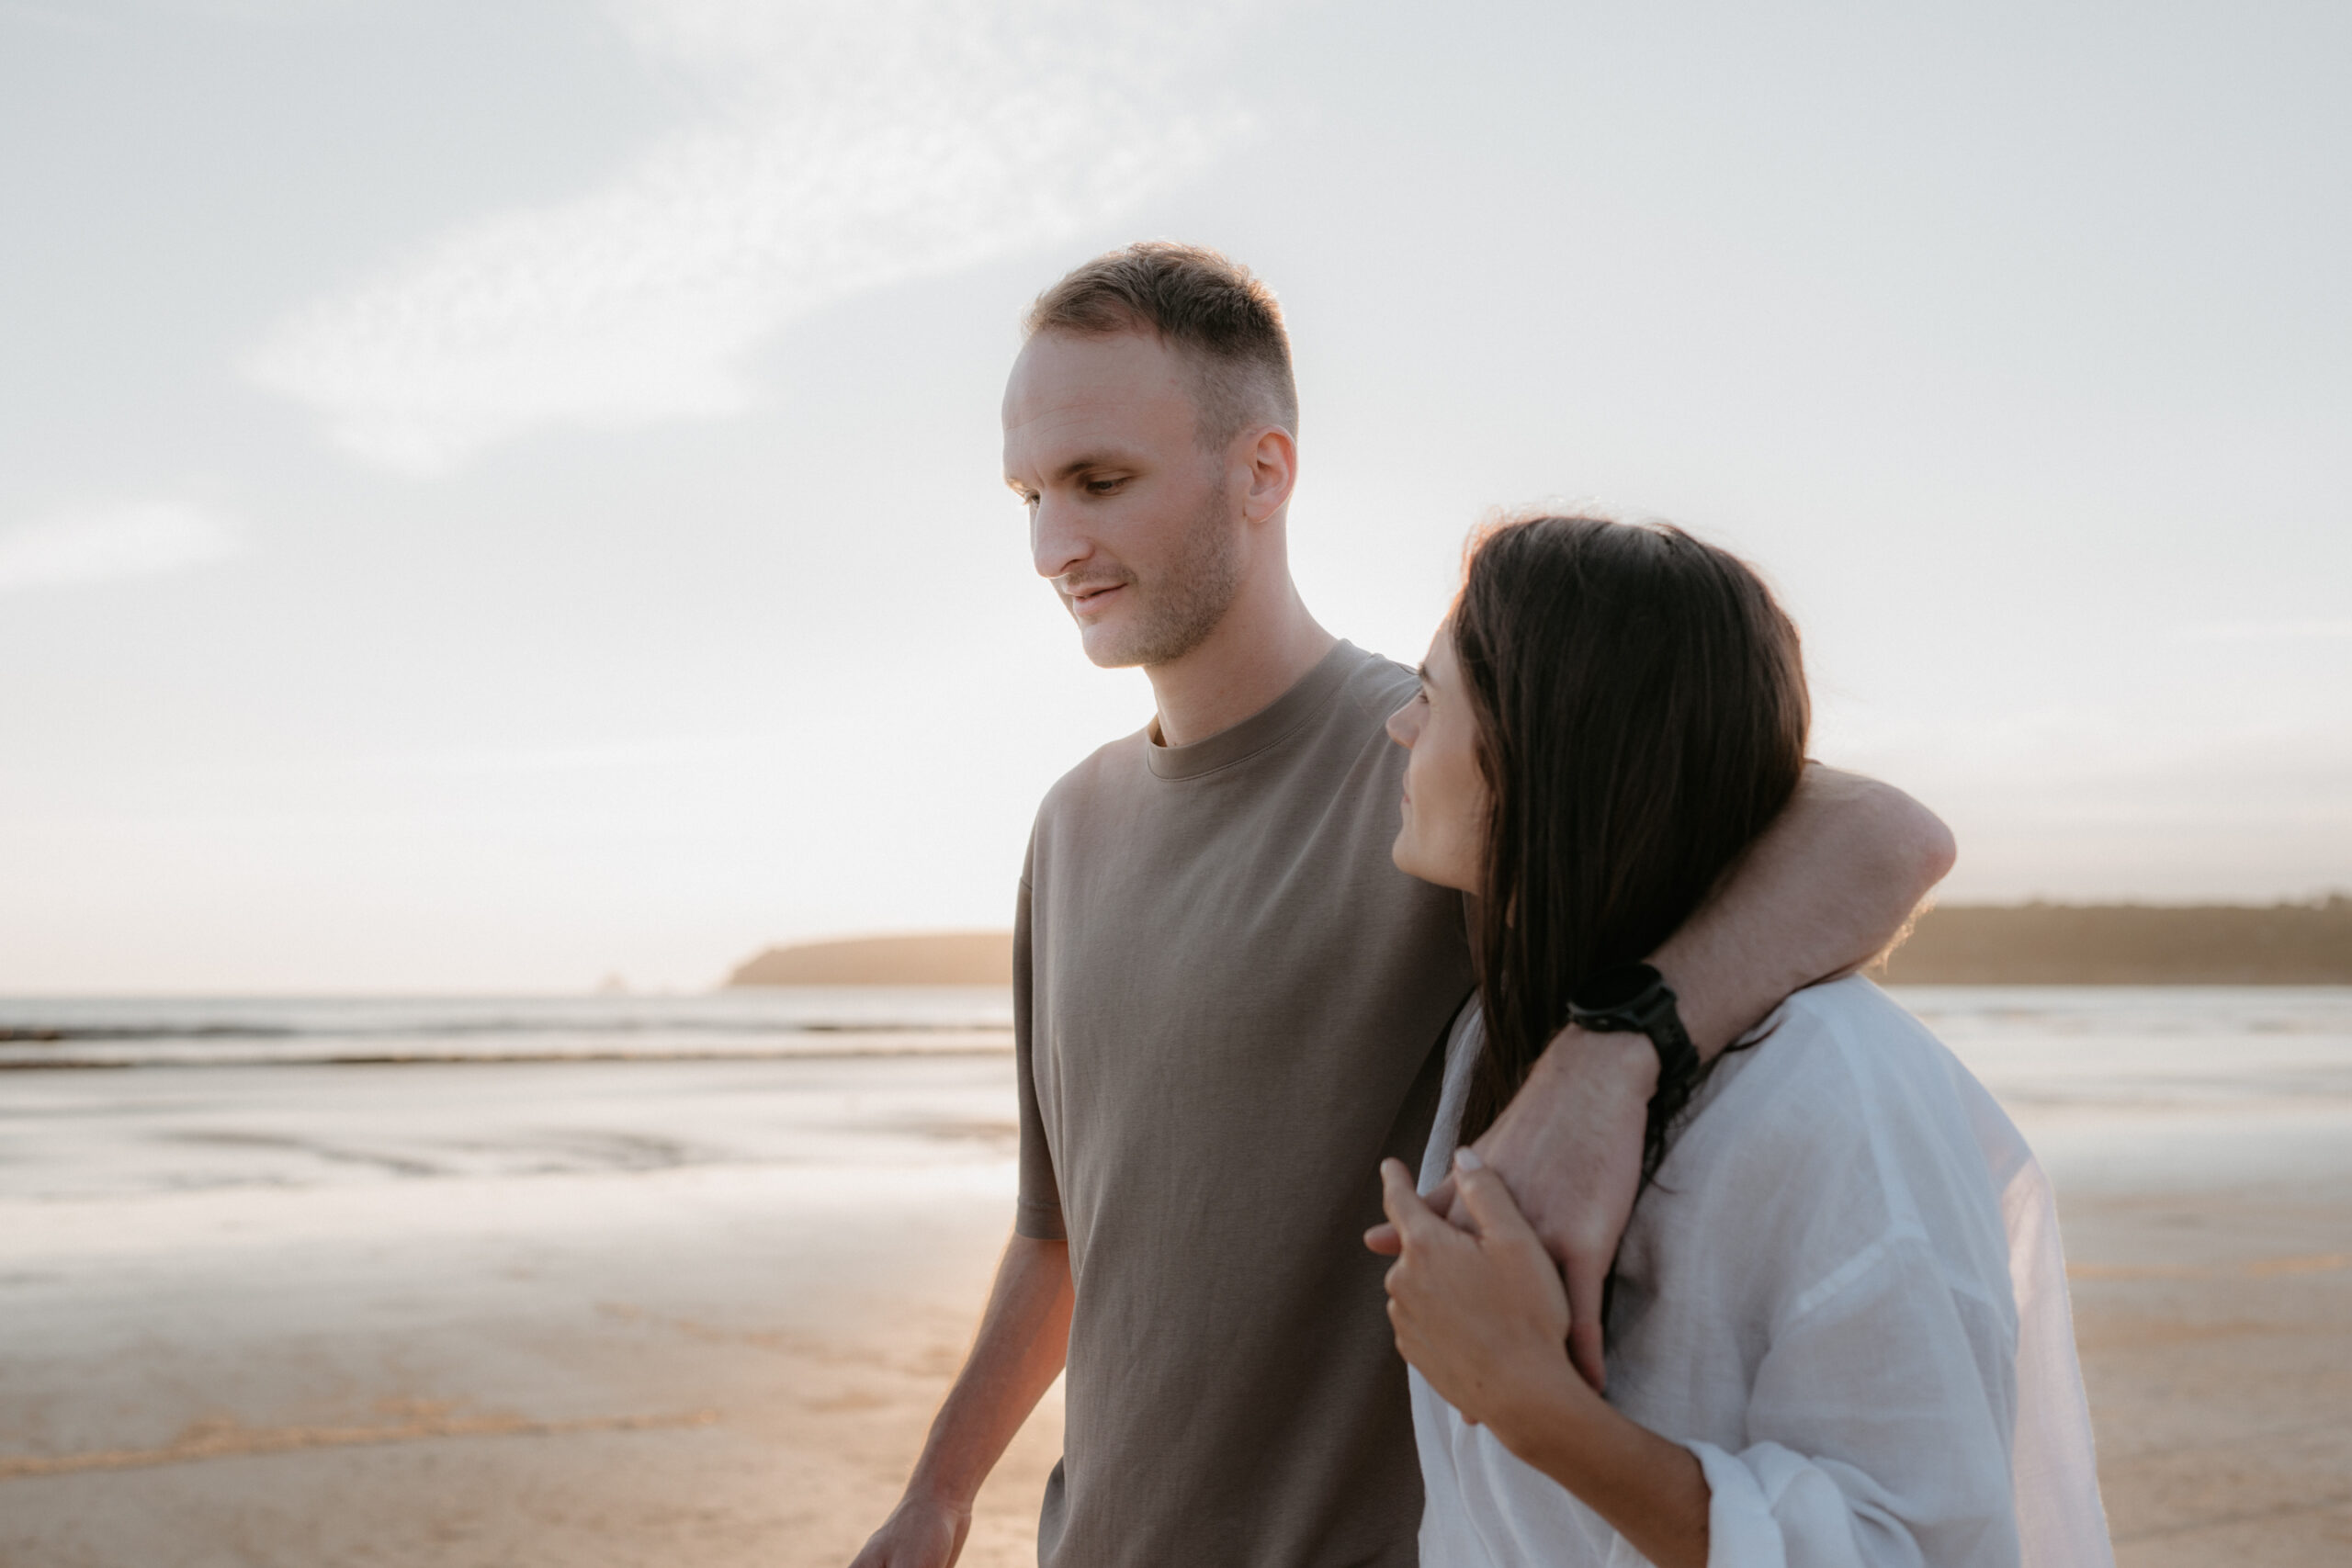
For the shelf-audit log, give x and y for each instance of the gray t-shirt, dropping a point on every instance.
(1229, 1006)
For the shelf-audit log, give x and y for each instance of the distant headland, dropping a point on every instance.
(1995, 945)
(928, 958)
(2128, 945)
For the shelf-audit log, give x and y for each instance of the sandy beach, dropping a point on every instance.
(619, 1311)
(501, 1313)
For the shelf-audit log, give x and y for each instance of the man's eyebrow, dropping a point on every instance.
(1077, 466)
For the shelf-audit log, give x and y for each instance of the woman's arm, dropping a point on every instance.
(1875, 1423)
(1482, 1317)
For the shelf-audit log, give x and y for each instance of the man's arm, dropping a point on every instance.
(1821, 892)
(1023, 1338)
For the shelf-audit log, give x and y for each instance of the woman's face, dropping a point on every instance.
(1445, 836)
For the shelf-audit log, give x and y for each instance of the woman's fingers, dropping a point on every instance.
(1441, 1201)
(1403, 1206)
(1384, 1240)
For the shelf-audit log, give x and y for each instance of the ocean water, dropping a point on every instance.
(2119, 1088)
(2150, 1090)
(352, 1031)
(2045, 1045)
(2138, 1049)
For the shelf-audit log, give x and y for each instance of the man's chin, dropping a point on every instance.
(1107, 649)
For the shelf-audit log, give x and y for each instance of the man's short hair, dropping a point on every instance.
(1209, 307)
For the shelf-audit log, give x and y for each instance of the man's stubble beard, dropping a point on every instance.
(1185, 604)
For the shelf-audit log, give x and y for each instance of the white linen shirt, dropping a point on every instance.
(1844, 1293)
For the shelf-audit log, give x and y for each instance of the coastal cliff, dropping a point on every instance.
(1998, 944)
(931, 958)
(2128, 945)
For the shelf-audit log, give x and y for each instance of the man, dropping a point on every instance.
(1229, 1005)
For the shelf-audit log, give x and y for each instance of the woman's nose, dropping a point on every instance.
(1404, 725)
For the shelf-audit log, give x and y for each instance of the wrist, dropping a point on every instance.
(1542, 1414)
(1705, 1018)
(929, 1491)
(1625, 1064)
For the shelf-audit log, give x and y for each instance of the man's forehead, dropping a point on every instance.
(1061, 380)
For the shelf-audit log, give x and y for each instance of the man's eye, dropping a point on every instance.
(1102, 487)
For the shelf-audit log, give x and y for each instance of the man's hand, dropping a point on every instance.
(921, 1532)
(1568, 1147)
(1022, 1340)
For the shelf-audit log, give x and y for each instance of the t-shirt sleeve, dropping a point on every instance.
(1039, 1214)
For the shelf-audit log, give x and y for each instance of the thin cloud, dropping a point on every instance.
(143, 539)
(845, 146)
(2271, 631)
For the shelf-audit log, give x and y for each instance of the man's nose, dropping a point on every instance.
(1055, 545)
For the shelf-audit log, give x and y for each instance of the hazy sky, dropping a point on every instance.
(493, 495)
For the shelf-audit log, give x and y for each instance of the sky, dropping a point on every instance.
(493, 498)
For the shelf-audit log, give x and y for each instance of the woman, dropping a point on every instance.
(1837, 1324)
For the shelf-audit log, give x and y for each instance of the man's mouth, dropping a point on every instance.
(1094, 598)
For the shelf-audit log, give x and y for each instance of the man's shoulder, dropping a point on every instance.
(1372, 687)
(1107, 765)
(1380, 683)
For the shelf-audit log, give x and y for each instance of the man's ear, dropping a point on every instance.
(1272, 459)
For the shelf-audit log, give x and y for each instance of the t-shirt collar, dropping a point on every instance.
(1305, 697)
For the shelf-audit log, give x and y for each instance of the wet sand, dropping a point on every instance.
(622, 1313)
(569, 1314)
(2216, 1339)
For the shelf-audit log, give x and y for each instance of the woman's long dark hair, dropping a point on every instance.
(1642, 715)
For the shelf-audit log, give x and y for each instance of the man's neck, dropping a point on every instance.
(1266, 642)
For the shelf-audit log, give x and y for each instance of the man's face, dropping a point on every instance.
(1138, 529)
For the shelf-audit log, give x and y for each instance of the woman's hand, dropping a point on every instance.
(1480, 1312)
(1571, 1142)
(1483, 1315)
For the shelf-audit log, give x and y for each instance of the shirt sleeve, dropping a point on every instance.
(2054, 1460)
(1878, 1428)
(1038, 1214)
